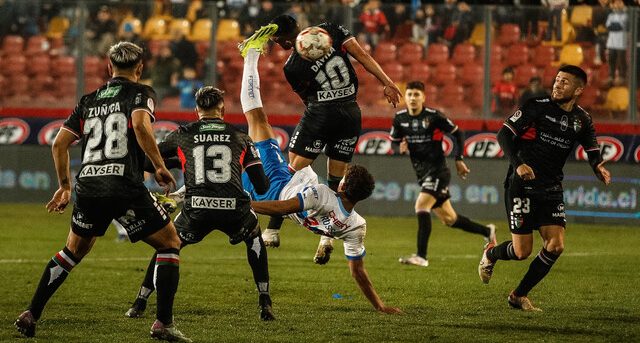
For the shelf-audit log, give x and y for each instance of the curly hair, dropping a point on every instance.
(358, 183)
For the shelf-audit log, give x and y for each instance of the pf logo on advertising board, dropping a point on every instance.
(48, 133)
(162, 128)
(611, 149)
(447, 145)
(282, 137)
(13, 131)
(484, 145)
(374, 143)
(636, 155)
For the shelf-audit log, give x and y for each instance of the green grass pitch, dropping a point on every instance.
(591, 295)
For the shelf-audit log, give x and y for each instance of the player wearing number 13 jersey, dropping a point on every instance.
(538, 139)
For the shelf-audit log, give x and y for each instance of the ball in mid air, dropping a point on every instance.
(313, 43)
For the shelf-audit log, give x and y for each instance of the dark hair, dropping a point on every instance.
(125, 55)
(575, 71)
(358, 183)
(535, 79)
(286, 24)
(419, 85)
(208, 97)
(508, 70)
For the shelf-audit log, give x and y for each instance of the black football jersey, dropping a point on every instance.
(328, 79)
(112, 160)
(424, 133)
(547, 135)
(213, 155)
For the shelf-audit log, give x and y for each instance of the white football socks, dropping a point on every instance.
(250, 89)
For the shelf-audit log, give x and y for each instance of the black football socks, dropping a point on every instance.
(467, 225)
(424, 231)
(538, 269)
(167, 278)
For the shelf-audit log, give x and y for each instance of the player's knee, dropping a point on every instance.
(448, 220)
(522, 254)
(555, 248)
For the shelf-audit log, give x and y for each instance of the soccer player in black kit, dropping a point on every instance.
(538, 139)
(115, 124)
(213, 155)
(419, 130)
(328, 87)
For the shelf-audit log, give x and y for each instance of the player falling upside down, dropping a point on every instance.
(115, 122)
(300, 196)
(419, 130)
(214, 154)
(328, 87)
(538, 139)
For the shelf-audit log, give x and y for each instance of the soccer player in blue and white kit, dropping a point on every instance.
(300, 196)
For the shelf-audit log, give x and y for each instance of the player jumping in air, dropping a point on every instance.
(300, 196)
(538, 139)
(419, 130)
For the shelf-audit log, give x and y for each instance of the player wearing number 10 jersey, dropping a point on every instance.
(115, 124)
(328, 87)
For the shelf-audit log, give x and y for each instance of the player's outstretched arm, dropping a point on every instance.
(60, 151)
(361, 276)
(277, 207)
(391, 91)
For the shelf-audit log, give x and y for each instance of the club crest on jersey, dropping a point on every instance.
(425, 123)
(577, 125)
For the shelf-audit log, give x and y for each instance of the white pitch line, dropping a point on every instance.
(196, 259)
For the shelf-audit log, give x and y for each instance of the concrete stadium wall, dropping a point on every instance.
(27, 175)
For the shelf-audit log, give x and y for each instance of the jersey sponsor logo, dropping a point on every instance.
(374, 143)
(111, 169)
(162, 128)
(78, 219)
(213, 203)
(282, 137)
(347, 145)
(483, 145)
(316, 147)
(109, 92)
(103, 110)
(404, 124)
(336, 93)
(514, 118)
(13, 131)
(131, 224)
(447, 145)
(611, 149)
(48, 133)
(564, 123)
(212, 127)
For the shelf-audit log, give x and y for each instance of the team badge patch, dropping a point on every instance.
(514, 118)
(577, 125)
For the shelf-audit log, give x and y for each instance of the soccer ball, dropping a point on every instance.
(313, 43)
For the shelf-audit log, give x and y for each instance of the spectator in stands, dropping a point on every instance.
(374, 22)
(187, 87)
(428, 25)
(341, 13)
(256, 14)
(533, 90)
(397, 16)
(530, 17)
(299, 14)
(460, 25)
(505, 94)
(100, 32)
(25, 18)
(183, 49)
(554, 17)
(599, 24)
(164, 72)
(617, 25)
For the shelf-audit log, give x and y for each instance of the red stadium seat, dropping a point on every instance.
(471, 74)
(12, 44)
(395, 71)
(277, 54)
(590, 98)
(509, 34)
(410, 53)
(64, 66)
(94, 66)
(385, 52)
(548, 76)
(417, 71)
(459, 110)
(543, 55)
(517, 54)
(523, 74)
(37, 45)
(66, 87)
(431, 95)
(40, 84)
(451, 95)
(19, 84)
(463, 53)
(495, 72)
(170, 102)
(91, 83)
(444, 73)
(476, 98)
(601, 77)
(437, 54)
(39, 65)
(369, 94)
(14, 64)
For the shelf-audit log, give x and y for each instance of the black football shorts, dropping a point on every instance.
(334, 128)
(528, 210)
(140, 216)
(436, 183)
(194, 224)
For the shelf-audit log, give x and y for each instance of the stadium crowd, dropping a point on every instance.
(441, 44)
